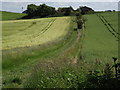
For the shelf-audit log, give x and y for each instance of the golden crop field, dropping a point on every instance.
(21, 33)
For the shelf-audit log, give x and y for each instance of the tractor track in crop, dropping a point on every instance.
(108, 26)
(31, 25)
(44, 29)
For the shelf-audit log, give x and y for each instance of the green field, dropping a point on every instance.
(48, 52)
(10, 15)
(99, 44)
(112, 18)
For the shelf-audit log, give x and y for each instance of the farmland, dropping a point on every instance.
(14, 60)
(99, 44)
(48, 52)
(112, 18)
(32, 32)
(10, 15)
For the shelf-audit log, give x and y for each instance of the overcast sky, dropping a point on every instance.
(98, 6)
(60, 0)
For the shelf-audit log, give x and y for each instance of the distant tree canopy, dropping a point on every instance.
(43, 10)
(40, 11)
(66, 10)
(86, 10)
(32, 10)
(108, 10)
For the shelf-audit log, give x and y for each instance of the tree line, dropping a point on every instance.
(43, 10)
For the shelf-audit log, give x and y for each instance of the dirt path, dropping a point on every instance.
(79, 38)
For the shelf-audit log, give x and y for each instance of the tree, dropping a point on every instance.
(44, 10)
(67, 12)
(71, 8)
(86, 10)
(40, 11)
(32, 10)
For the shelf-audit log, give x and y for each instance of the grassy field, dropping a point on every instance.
(112, 18)
(48, 52)
(10, 15)
(99, 44)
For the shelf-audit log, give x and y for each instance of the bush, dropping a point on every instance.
(99, 79)
(79, 21)
(67, 12)
(17, 80)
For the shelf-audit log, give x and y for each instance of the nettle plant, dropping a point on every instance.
(117, 67)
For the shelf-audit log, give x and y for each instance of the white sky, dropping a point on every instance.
(60, 0)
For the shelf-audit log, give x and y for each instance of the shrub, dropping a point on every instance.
(17, 80)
